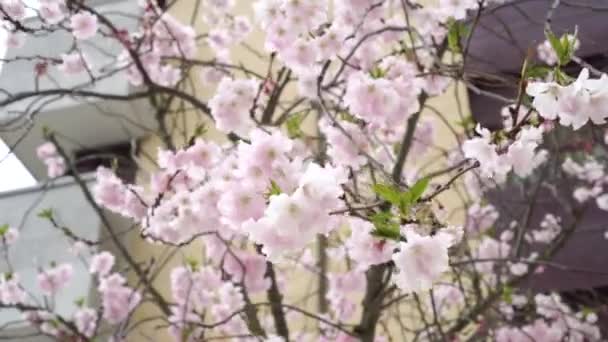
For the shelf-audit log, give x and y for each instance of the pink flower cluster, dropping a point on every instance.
(231, 105)
(203, 290)
(345, 291)
(74, 63)
(85, 320)
(102, 263)
(203, 193)
(592, 177)
(114, 195)
(11, 291)
(384, 102)
(364, 248)
(573, 104)
(55, 278)
(423, 259)
(556, 321)
(47, 152)
(53, 11)
(306, 211)
(520, 155)
(117, 299)
(84, 25)
(160, 38)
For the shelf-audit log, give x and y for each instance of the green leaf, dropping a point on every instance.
(274, 189)
(79, 302)
(537, 71)
(46, 213)
(568, 46)
(3, 229)
(561, 77)
(587, 311)
(556, 44)
(385, 227)
(382, 217)
(377, 72)
(564, 46)
(114, 166)
(294, 124)
(192, 263)
(386, 233)
(456, 32)
(345, 116)
(46, 131)
(418, 189)
(507, 294)
(200, 130)
(401, 200)
(467, 123)
(388, 193)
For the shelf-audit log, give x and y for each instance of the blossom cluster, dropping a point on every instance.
(573, 104)
(555, 321)
(522, 155)
(55, 163)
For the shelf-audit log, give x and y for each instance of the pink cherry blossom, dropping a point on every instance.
(11, 291)
(15, 9)
(550, 228)
(78, 248)
(574, 104)
(83, 25)
(174, 38)
(117, 299)
(56, 166)
(55, 278)
(102, 263)
(481, 218)
(252, 266)
(518, 269)
(46, 150)
(112, 193)
(86, 321)
(231, 105)
(456, 8)
(330, 43)
(343, 289)
(346, 144)
(421, 261)
(483, 150)
(51, 11)
(366, 249)
(488, 250)
(73, 63)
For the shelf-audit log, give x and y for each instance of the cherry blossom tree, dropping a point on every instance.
(328, 170)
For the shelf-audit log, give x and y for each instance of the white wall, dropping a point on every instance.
(40, 242)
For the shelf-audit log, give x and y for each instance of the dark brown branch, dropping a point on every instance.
(276, 300)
